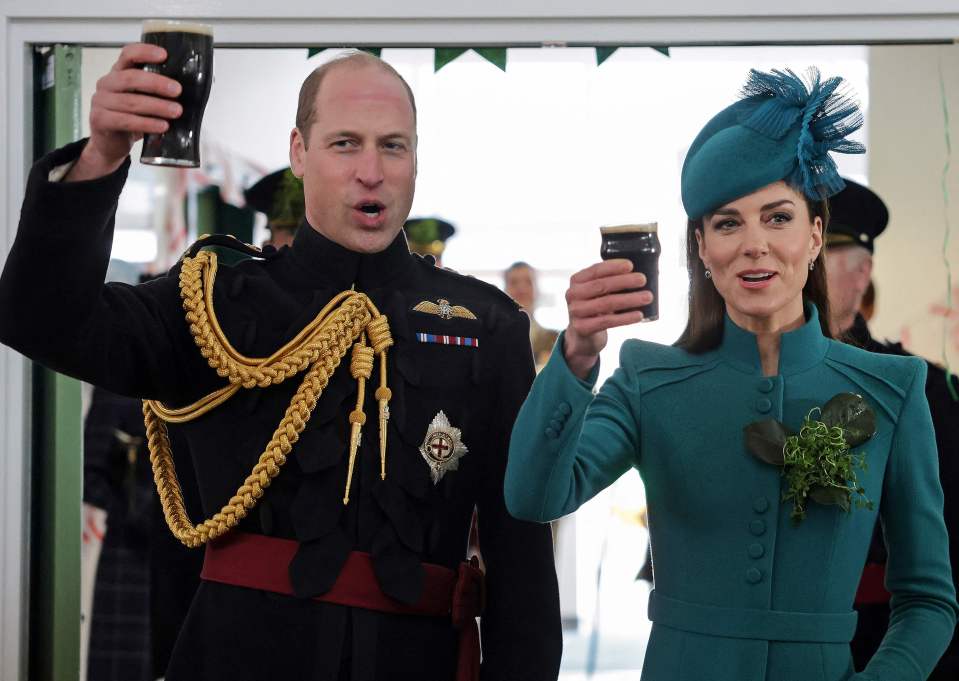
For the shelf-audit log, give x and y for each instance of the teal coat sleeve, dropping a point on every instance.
(918, 576)
(568, 445)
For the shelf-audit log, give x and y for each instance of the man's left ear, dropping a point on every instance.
(297, 152)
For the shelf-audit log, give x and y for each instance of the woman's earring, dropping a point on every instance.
(812, 265)
(709, 275)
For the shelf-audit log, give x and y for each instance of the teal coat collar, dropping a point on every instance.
(801, 348)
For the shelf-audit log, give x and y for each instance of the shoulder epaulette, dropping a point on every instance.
(226, 241)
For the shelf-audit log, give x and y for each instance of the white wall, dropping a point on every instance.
(907, 145)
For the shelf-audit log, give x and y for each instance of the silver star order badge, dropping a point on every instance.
(442, 447)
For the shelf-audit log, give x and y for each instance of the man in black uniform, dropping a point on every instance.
(857, 217)
(338, 556)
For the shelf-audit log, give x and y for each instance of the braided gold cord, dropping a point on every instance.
(320, 346)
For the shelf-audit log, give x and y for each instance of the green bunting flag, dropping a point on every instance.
(444, 55)
(604, 53)
(494, 55)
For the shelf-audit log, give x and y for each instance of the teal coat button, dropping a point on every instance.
(761, 504)
(754, 576)
(757, 527)
(763, 404)
(756, 551)
(551, 434)
(766, 385)
(555, 425)
(565, 408)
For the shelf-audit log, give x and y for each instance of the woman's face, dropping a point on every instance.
(758, 249)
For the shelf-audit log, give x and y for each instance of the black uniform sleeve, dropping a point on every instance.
(56, 309)
(521, 631)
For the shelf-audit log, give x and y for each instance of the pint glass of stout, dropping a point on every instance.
(189, 49)
(640, 244)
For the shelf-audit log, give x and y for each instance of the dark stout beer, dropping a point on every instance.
(189, 61)
(639, 244)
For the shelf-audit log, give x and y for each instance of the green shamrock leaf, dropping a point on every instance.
(851, 413)
(765, 440)
(830, 496)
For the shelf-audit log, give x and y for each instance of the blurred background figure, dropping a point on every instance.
(144, 578)
(279, 196)
(520, 285)
(117, 480)
(428, 236)
(858, 217)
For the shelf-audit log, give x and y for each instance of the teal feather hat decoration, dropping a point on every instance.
(782, 128)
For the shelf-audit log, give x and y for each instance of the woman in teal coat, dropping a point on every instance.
(762, 489)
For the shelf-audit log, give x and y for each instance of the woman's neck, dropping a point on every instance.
(768, 330)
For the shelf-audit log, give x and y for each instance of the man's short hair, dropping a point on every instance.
(517, 265)
(306, 106)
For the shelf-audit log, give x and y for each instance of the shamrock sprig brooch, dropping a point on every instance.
(817, 462)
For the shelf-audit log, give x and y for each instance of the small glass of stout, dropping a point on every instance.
(639, 244)
(189, 48)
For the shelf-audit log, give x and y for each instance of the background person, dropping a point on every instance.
(857, 217)
(520, 284)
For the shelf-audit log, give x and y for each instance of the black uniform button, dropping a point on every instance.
(754, 576)
(760, 504)
(756, 550)
(757, 527)
(766, 385)
(763, 405)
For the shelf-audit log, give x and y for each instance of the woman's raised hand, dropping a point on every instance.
(596, 302)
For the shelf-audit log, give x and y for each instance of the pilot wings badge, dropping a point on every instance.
(443, 309)
(442, 447)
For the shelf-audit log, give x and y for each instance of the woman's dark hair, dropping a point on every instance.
(704, 327)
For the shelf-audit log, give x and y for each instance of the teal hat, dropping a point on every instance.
(780, 129)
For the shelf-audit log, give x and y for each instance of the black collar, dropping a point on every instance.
(859, 332)
(324, 263)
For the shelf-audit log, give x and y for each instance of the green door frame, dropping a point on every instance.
(57, 430)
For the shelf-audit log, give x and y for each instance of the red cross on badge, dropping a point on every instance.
(442, 447)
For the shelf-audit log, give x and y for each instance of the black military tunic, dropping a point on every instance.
(55, 309)
(874, 617)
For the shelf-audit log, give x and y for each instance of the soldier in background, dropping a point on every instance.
(858, 217)
(428, 237)
(520, 285)
(279, 196)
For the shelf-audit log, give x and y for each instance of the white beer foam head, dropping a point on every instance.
(169, 25)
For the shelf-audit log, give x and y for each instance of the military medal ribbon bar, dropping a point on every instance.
(441, 339)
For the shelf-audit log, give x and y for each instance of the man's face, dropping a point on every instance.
(848, 269)
(359, 168)
(521, 287)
